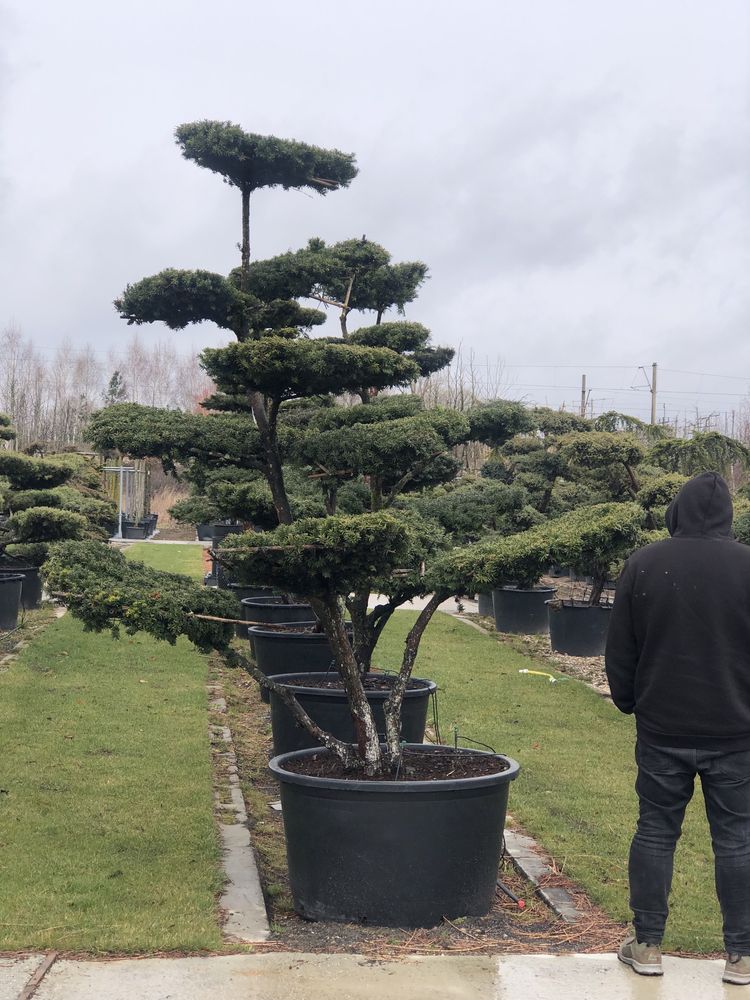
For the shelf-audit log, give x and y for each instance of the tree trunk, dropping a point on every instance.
(245, 246)
(342, 750)
(597, 588)
(330, 613)
(633, 479)
(392, 707)
(274, 472)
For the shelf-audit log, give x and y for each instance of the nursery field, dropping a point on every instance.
(107, 838)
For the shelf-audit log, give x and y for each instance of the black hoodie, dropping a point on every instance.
(678, 648)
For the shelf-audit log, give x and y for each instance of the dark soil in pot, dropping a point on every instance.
(323, 698)
(395, 853)
(578, 629)
(523, 612)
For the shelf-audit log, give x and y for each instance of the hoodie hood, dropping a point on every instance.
(702, 508)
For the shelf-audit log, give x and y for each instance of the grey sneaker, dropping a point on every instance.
(737, 970)
(645, 959)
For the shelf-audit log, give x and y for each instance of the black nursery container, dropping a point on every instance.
(10, 600)
(578, 629)
(220, 531)
(275, 611)
(330, 709)
(31, 588)
(278, 651)
(522, 612)
(392, 853)
(484, 604)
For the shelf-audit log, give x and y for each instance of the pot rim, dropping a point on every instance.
(265, 601)
(570, 604)
(259, 631)
(395, 787)
(301, 688)
(538, 589)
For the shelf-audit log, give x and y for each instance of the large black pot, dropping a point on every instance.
(219, 531)
(10, 600)
(523, 612)
(135, 531)
(392, 853)
(330, 709)
(578, 629)
(31, 588)
(285, 651)
(241, 593)
(484, 604)
(275, 611)
(204, 533)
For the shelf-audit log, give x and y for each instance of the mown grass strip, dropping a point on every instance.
(187, 559)
(107, 838)
(575, 792)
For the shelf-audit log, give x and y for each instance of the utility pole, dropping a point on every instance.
(652, 388)
(583, 395)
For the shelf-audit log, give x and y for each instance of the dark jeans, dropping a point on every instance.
(665, 781)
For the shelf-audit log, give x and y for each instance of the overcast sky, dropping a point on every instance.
(576, 173)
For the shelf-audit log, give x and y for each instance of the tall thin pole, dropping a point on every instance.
(653, 393)
(583, 395)
(119, 516)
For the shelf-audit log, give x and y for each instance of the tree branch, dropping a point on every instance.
(392, 706)
(344, 751)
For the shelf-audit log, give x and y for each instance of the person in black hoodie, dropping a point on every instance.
(678, 657)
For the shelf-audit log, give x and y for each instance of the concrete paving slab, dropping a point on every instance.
(603, 977)
(15, 973)
(292, 976)
(242, 897)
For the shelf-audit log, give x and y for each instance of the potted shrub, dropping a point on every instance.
(410, 806)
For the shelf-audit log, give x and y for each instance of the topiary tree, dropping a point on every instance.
(46, 500)
(278, 412)
(590, 540)
(608, 459)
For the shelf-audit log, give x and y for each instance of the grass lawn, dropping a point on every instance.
(107, 837)
(187, 559)
(575, 791)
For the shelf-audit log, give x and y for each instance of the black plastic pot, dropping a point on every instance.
(241, 593)
(285, 651)
(522, 612)
(10, 600)
(578, 629)
(330, 709)
(275, 611)
(134, 531)
(484, 604)
(31, 588)
(204, 532)
(392, 853)
(219, 531)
